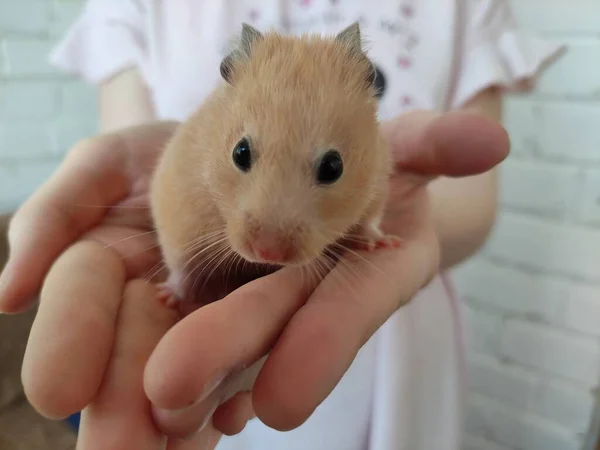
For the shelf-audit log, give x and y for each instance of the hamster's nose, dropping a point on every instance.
(269, 248)
(267, 243)
(270, 254)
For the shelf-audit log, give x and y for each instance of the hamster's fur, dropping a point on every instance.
(293, 99)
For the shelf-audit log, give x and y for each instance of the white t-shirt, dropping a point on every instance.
(405, 388)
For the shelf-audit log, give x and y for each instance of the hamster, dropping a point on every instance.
(282, 160)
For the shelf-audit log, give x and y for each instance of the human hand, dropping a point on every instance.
(119, 415)
(310, 333)
(80, 238)
(105, 270)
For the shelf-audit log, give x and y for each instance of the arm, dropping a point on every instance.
(124, 101)
(464, 209)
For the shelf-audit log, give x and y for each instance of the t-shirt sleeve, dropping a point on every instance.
(496, 52)
(107, 37)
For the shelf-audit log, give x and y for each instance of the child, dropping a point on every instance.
(158, 60)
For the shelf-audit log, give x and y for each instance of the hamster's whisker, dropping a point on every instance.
(200, 247)
(131, 255)
(316, 270)
(128, 238)
(201, 239)
(204, 249)
(201, 242)
(209, 259)
(238, 259)
(206, 235)
(155, 270)
(350, 238)
(325, 267)
(343, 267)
(343, 247)
(222, 254)
(205, 253)
(111, 206)
(228, 262)
(312, 272)
(232, 266)
(201, 265)
(209, 256)
(228, 251)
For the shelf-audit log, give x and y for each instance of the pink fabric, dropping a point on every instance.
(405, 388)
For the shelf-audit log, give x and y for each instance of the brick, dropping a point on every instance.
(588, 207)
(542, 188)
(543, 245)
(27, 56)
(511, 291)
(26, 16)
(29, 100)
(562, 79)
(513, 429)
(63, 15)
(568, 130)
(519, 120)
(554, 351)
(19, 181)
(479, 443)
(567, 404)
(25, 139)
(506, 383)
(482, 330)
(582, 311)
(3, 58)
(554, 130)
(78, 99)
(548, 436)
(68, 132)
(558, 16)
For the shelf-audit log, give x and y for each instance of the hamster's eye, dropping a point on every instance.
(330, 168)
(242, 156)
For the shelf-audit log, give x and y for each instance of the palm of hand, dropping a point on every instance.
(116, 173)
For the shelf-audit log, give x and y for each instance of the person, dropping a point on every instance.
(383, 372)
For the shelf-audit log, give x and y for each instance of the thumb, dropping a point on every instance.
(454, 144)
(96, 174)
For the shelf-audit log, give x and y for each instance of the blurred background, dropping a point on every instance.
(531, 297)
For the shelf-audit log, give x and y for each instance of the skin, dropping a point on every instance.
(85, 357)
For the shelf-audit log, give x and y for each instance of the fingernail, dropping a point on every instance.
(210, 387)
(3, 279)
(184, 423)
(3, 286)
(206, 420)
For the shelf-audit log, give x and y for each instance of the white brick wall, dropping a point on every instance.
(42, 112)
(532, 297)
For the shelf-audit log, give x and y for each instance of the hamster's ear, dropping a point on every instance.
(351, 38)
(371, 74)
(242, 50)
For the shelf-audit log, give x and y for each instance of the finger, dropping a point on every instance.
(72, 335)
(206, 439)
(51, 219)
(178, 374)
(455, 144)
(184, 422)
(119, 418)
(231, 417)
(95, 175)
(322, 339)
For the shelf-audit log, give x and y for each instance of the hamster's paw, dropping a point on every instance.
(372, 238)
(167, 295)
